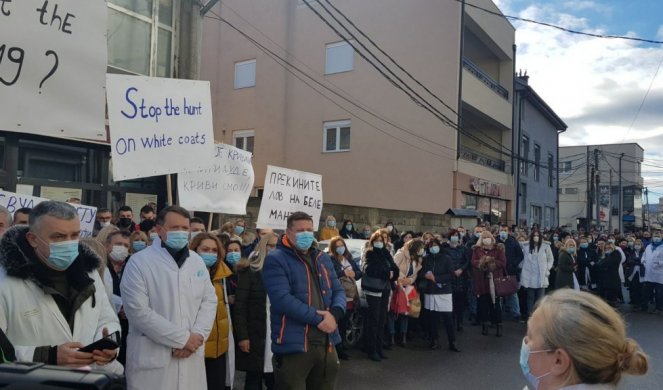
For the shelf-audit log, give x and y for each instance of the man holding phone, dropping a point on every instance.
(52, 299)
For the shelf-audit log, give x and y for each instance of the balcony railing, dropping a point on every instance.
(481, 75)
(478, 158)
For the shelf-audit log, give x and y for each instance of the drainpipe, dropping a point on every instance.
(459, 119)
(515, 139)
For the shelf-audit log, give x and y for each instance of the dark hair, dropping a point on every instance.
(230, 242)
(125, 208)
(504, 225)
(23, 210)
(103, 210)
(172, 209)
(298, 216)
(146, 209)
(434, 241)
(197, 220)
(533, 244)
(410, 232)
(123, 233)
(452, 232)
(415, 245)
(345, 223)
(221, 251)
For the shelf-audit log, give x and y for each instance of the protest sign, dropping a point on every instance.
(86, 214)
(53, 59)
(222, 187)
(158, 126)
(287, 191)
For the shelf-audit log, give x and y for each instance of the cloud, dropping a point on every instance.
(659, 34)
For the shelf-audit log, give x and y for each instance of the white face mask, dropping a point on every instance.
(119, 253)
(104, 224)
(535, 238)
(486, 241)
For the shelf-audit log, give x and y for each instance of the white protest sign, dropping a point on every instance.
(53, 59)
(287, 191)
(158, 126)
(13, 202)
(222, 187)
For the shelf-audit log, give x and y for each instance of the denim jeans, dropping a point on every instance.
(533, 296)
(512, 305)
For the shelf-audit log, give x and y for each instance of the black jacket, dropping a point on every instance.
(442, 268)
(250, 319)
(633, 260)
(584, 260)
(609, 269)
(340, 272)
(514, 254)
(7, 353)
(378, 265)
(460, 259)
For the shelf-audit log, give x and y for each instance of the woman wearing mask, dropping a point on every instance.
(330, 230)
(576, 341)
(407, 236)
(586, 256)
(379, 273)
(653, 264)
(233, 254)
(408, 260)
(460, 263)
(566, 266)
(391, 229)
(117, 248)
(536, 268)
(366, 232)
(348, 230)
(487, 257)
(138, 241)
(555, 247)
(634, 272)
(609, 269)
(434, 280)
(348, 273)
(217, 345)
(251, 319)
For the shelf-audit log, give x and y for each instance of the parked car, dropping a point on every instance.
(355, 331)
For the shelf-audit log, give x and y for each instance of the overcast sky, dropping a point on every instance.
(597, 85)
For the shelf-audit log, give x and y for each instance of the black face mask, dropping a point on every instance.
(124, 222)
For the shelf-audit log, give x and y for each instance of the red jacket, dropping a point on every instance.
(480, 277)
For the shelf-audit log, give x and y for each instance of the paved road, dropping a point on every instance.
(487, 362)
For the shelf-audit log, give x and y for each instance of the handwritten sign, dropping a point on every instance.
(53, 61)
(13, 202)
(223, 187)
(287, 191)
(158, 126)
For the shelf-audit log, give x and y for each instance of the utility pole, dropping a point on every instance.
(621, 197)
(610, 204)
(647, 209)
(597, 191)
(588, 214)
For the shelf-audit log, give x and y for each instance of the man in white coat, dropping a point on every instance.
(170, 304)
(52, 299)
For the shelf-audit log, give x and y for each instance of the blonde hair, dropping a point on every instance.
(137, 236)
(486, 234)
(100, 250)
(257, 260)
(593, 334)
(103, 234)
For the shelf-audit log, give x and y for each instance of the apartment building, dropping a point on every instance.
(591, 180)
(381, 156)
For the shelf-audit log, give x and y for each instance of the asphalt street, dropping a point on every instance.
(486, 362)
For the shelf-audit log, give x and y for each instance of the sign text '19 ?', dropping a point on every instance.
(158, 126)
(287, 191)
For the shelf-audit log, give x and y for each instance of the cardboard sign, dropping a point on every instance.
(158, 126)
(53, 59)
(287, 191)
(86, 214)
(223, 187)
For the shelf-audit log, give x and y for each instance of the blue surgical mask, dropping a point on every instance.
(454, 239)
(233, 257)
(348, 227)
(331, 224)
(378, 244)
(477, 234)
(62, 254)
(367, 234)
(656, 240)
(139, 245)
(608, 252)
(611, 240)
(630, 244)
(193, 235)
(571, 250)
(504, 235)
(340, 250)
(154, 236)
(638, 247)
(239, 230)
(304, 240)
(177, 239)
(584, 245)
(524, 365)
(555, 238)
(434, 250)
(209, 258)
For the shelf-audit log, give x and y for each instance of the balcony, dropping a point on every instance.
(481, 159)
(492, 84)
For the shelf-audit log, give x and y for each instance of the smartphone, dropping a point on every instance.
(109, 342)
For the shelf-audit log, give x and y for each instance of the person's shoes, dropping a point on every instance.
(383, 356)
(651, 311)
(657, 312)
(484, 329)
(435, 345)
(403, 340)
(453, 347)
(498, 332)
(374, 357)
(343, 355)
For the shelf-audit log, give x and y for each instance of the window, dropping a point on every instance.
(336, 136)
(571, 191)
(340, 58)
(537, 162)
(549, 217)
(523, 198)
(470, 202)
(551, 176)
(244, 139)
(245, 74)
(524, 163)
(141, 36)
(535, 215)
(565, 166)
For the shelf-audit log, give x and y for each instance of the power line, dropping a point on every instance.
(642, 103)
(560, 27)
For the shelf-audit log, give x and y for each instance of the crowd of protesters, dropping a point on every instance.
(183, 307)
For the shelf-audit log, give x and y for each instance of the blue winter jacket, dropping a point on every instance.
(288, 284)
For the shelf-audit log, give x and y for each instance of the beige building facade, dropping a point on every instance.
(375, 148)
